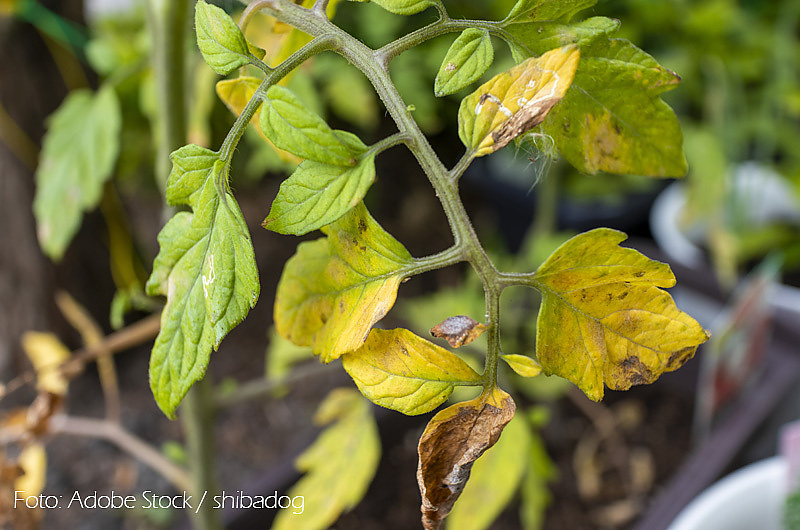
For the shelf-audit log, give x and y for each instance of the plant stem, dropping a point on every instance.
(197, 415)
(374, 64)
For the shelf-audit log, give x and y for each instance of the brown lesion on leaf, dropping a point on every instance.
(634, 372)
(525, 119)
(678, 358)
(458, 330)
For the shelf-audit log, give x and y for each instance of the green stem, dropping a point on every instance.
(374, 64)
(197, 415)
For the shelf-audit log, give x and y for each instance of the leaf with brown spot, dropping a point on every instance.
(458, 330)
(451, 443)
(604, 318)
(335, 288)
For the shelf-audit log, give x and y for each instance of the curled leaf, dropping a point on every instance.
(604, 319)
(458, 330)
(451, 443)
(401, 371)
(515, 101)
(522, 364)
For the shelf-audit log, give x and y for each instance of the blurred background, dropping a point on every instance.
(730, 229)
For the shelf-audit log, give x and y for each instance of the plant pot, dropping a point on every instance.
(751, 497)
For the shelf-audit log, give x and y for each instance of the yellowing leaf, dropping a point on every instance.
(401, 371)
(235, 93)
(515, 101)
(494, 480)
(452, 441)
(334, 289)
(522, 364)
(47, 353)
(33, 461)
(604, 319)
(339, 465)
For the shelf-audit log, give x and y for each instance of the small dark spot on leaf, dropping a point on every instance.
(638, 274)
(362, 226)
(623, 295)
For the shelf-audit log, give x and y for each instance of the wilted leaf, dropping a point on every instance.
(47, 353)
(458, 330)
(466, 61)
(335, 288)
(450, 444)
(318, 194)
(494, 480)
(220, 40)
(293, 127)
(339, 465)
(612, 118)
(522, 364)
(206, 268)
(401, 371)
(33, 461)
(603, 317)
(404, 7)
(78, 155)
(235, 93)
(513, 102)
(561, 10)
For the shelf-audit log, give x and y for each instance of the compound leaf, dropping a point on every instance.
(450, 444)
(612, 118)
(494, 479)
(405, 7)
(604, 319)
(206, 268)
(339, 465)
(220, 40)
(547, 10)
(466, 61)
(78, 156)
(335, 288)
(401, 371)
(295, 128)
(513, 102)
(317, 194)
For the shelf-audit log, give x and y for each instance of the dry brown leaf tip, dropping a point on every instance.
(451, 443)
(458, 330)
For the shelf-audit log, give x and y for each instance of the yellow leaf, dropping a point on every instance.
(450, 444)
(522, 365)
(339, 465)
(401, 371)
(515, 101)
(604, 319)
(235, 93)
(47, 354)
(33, 461)
(335, 288)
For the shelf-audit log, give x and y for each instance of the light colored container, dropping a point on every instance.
(750, 498)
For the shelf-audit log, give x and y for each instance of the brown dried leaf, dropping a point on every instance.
(458, 330)
(451, 443)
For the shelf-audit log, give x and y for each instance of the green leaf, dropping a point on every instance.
(78, 156)
(206, 268)
(401, 371)
(495, 477)
(220, 40)
(603, 318)
(291, 126)
(339, 465)
(335, 288)
(538, 37)
(522, 365)
(466, 61)
(404, 7)
(318, 194)
(536, 10)
(612, 119)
